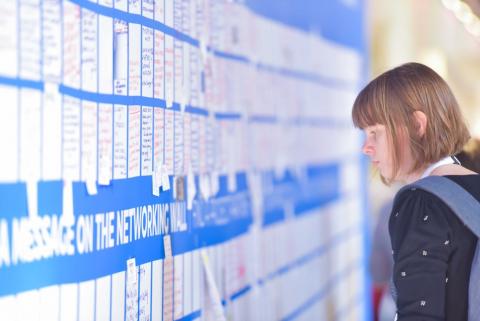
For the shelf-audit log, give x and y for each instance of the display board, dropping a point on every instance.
(180, 160)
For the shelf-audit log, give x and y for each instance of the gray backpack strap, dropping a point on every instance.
(467, 209)
(474, 288)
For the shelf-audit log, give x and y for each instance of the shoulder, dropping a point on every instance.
(416, 210)
(417, 198)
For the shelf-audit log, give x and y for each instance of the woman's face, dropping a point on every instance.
(377, 147)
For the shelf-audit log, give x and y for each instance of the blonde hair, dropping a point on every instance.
(391, 100)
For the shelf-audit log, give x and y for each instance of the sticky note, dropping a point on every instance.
(91, 187)
(191, 189)
(32, 198)
(165, 178)
(131, 271)
(103, 177)
(179, 188)
(67, 202)
(155, 187)
(205, 186)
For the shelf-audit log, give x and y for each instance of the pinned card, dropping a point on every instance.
(67, 202)
(156, 180)
(103, 176)
(205, 188)
(167, 246)
(155, 187)
(191, 189)
(179, 188)
(131, 271)
(91, 186)
(169, 101)
(165, 179)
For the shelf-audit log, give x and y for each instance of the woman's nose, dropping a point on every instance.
(367, 148)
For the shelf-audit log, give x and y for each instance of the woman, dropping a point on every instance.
(413, 126)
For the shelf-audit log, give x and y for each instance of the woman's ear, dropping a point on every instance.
(421, 122)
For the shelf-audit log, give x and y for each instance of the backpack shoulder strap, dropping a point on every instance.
(467, 209)
(461, 202)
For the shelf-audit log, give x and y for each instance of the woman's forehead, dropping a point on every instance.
(374, 127)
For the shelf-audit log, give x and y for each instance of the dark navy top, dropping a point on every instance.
(433, 252)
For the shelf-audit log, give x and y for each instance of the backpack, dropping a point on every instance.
(467, 209)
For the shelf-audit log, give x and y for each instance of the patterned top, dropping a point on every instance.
(432, 252)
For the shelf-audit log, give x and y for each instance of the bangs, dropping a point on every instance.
(367, 109)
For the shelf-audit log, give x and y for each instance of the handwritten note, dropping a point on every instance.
(131, 308)
(202, 144)
(8, 38)
(210, 144)
(168, 280)
(178, 144)
(169, 140)
(120, 57)
(157, 290)
(145, 292)
(71, 138)
(89, 141)
(159, 12)
(105, 51)
(89, 51)
(187, 142)
(134, 62)
(169, 79)
(29, 39)
(105, 143)
(147, 61)
(148, 8)
(147, 147)
(194, 77)
(71, 45)
(159, 66)
(195, 143)
(52, 133)
(134, 141)
(30, 139)
(158, 137)
(120, 142)
(178, 287)
(178, 51)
